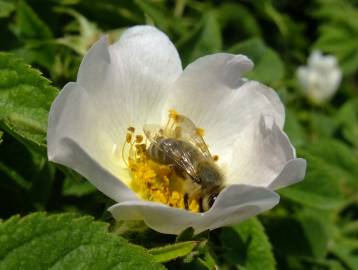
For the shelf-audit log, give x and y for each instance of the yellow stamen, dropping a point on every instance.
(173, 114)
(138, 138)
(200, 132)
(153, 181)
(128, 137)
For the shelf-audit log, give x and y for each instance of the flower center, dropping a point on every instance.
(157, 164)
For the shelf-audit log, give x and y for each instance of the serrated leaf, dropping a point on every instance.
(25, 100)
(66, 242)
(173, 251)
(246, 245)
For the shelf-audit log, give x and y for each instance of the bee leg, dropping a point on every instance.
(186, 201)
(201, 208)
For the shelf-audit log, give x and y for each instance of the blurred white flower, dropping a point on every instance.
(136, 81)
(320, 79)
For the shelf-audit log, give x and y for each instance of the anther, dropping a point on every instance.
(129, 137)
(138, 138)
(215, 157)
(200, 131)
(173, 113)
(131, 129)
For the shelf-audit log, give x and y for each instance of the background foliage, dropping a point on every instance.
(314, 227)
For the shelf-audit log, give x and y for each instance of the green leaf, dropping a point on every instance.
(205, 39)
(337, 154)
(14, 176)
(330, 178)
(36, 37)
(155, 12)
(6, 8)
(346, 251)
(25, 100)
(268, 67)
(77, 187)
(322, 125)
(348, 118)
(237, 19)
(337, 32)
(294, 129)
(66, 242)
(173, 251)
(246, 245)
(28, 25)
(321, 187)
(88, 32)
(316, 232)
(304, 234)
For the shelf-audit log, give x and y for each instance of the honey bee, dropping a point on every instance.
(180, 144)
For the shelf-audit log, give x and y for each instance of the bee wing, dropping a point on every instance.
(178, 155)
(181, 127)
(183, 159)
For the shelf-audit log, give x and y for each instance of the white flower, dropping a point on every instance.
(320, 79)
(135, 82)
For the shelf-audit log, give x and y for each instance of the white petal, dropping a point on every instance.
(234, 204)
(206, 93)
(293, 172)
(75, 142)
(315, 59)
(129, 80)
(261, 152)
(117, 86)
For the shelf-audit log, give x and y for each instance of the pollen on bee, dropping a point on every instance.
(151, 180)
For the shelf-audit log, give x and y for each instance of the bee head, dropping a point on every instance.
(208, 175)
